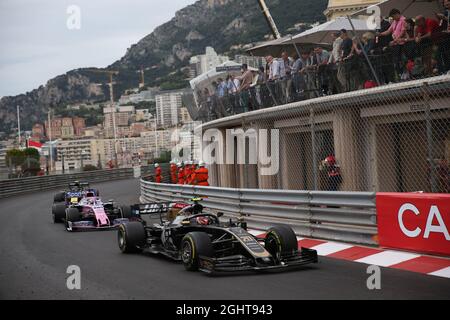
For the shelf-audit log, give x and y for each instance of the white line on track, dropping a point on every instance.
(445, 273)
(388, 258)
(328, 248)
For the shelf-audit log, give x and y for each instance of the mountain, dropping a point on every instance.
(217, 23)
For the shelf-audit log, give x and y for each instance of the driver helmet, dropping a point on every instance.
(203, 221)
(331, 160)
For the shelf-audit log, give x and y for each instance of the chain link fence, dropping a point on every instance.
(393, 138)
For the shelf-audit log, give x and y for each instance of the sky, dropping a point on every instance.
(40, 39)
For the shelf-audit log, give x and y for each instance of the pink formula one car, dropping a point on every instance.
(88, 212)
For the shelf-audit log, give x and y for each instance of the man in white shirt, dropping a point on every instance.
(286, 84)
(336, 55)
(277, 70)
(277, 77)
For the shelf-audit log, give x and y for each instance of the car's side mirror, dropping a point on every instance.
(220, 214)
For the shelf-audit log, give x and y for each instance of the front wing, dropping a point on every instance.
(90, 225)
(241, 263)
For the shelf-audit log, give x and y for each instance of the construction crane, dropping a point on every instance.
(142, 84)
(269, 19)
(111, 74)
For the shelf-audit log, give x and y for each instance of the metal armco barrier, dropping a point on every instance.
(339, 216)
(14, 187)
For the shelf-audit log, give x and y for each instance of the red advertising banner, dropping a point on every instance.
(414, 221)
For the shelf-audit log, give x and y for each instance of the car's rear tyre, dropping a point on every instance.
(73, 215)
(58, 212)
(131, 237)
(59, 197)
(194, 245)
(125, 212)
(281, 240)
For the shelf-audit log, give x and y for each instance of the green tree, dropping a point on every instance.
(31, 167)
(31, 153)
(165, 157)
(15, 157)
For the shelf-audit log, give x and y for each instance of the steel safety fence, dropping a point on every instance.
(13, 187)
(340, 216)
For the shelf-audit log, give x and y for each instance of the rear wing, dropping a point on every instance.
(79, 184)
(154, 208)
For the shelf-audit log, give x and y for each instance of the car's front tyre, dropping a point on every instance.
(59, 197)
(58, 212)
(73, 215)
(194, 245)
(125, 212)
(281, 240)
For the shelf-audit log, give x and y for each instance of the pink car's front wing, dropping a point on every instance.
(97, 213)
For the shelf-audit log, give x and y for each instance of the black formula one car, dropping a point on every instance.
(202, 242)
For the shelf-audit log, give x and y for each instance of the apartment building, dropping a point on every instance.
(168, 107)
(62, 128)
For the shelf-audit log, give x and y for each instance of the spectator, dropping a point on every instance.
(444, 41)
(236, 84)
(221, 91)
(221, 88)
(336, 53)
(426, 30)
(215, 86)
(347, 44)
(321, 59)
(368, 41)
(397, 30)
(309, 74)
(344, 66)
(297, 77)
(333, 170)
(381, 40)
(206, 94)
(286, 84)
(335, 57)
(207, 101)
(383, 59)
(261, 77)
(231, 85)
(276, 69)
(199, 95)
(245, 81)
(444, 17)
(409, 49)
(357, 73)
(260, 89)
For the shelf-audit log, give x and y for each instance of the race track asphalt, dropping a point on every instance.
(35, 254)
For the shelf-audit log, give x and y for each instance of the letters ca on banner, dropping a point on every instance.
(416, 222)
